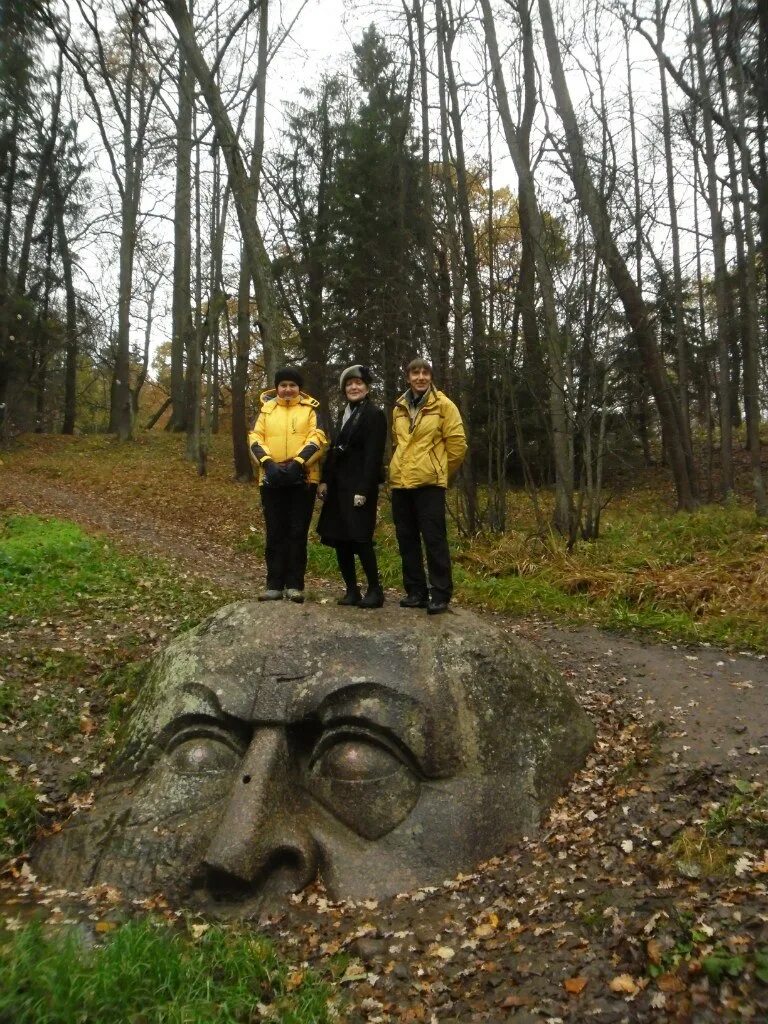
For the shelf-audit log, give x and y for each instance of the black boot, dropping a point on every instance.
(345, 556)
(374, 598)
(374, 595)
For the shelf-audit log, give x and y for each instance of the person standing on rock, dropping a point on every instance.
(287, 446)
(429, 445)
(349, 488)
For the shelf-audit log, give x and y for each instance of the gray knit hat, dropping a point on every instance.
(363, 372)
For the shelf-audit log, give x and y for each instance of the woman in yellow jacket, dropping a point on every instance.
(287, 446)
(428, 448)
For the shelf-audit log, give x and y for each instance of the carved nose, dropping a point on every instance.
(262, 844)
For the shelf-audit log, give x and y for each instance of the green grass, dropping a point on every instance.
(50, 568)
(145, 973)
(711, 847)
(18, 815)
(53, 574)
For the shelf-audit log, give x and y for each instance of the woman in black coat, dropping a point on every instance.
(349, 488)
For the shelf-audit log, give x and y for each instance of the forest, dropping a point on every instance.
(565, 208)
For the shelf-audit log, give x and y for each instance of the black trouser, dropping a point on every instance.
(287, 515)
(419, 515)
(345, 556)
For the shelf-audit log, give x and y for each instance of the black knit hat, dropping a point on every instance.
(363, 372)
(291, 373)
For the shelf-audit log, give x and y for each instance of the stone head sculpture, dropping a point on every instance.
(276, 743)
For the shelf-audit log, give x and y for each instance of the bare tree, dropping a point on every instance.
(121, 80)
(635, 308)
(243, 192)
(535, 249)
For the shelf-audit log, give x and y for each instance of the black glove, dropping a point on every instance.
(273, 474)
(293, 473)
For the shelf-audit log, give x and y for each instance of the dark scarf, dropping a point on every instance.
(348, 430)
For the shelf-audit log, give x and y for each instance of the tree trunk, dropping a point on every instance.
(65, 256)
(243, 192)
(635, 308)
(195, 353)
(751, 332)
(457, 288)
(433, 302)
(181, 331)
(240, 453)
(678, 311)
(720, 267)
(532, 229)
(241, 456)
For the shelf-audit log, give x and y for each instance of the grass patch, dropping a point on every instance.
(18, 815)
(712, 848)
(148, 973)
(10, 696)
(50, 568)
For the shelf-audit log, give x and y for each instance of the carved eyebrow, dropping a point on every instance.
(362, 729)
(367, 704)
(201, 724)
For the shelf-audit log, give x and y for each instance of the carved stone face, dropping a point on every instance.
(277, 743)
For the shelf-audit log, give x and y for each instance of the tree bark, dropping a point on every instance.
(243, 192)
(720, 267)
(72, 342)
(636, 311)
(532, 230)
(181, 313)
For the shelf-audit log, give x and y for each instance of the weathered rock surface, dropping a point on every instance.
(275, 743)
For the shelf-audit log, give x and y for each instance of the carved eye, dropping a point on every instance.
(203, 755)
(356, 761)
(363, 782)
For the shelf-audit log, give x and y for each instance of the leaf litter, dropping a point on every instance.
(590, 919)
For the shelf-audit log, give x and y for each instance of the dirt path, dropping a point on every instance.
(569, 926)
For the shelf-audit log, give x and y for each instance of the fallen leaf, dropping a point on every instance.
(354, 972)
(575, 985)
(670, 983)
(623, 983)
(742, 866)
(515, 1000)
(654, 949)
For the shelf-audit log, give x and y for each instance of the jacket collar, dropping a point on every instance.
(270, 397)
(429, 398)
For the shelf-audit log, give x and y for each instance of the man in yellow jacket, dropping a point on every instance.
(287, 446)
(428, 448)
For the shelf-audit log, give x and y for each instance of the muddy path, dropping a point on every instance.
(596, 918)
